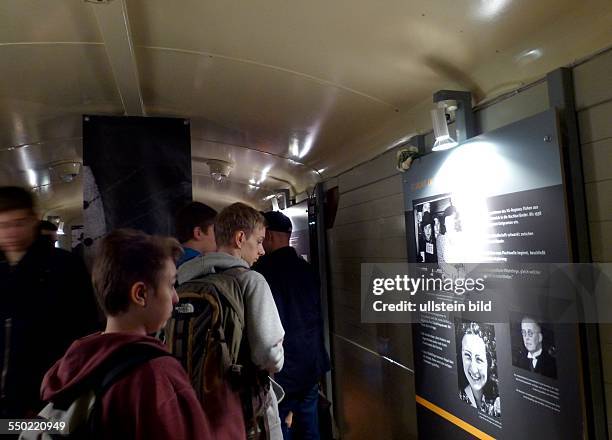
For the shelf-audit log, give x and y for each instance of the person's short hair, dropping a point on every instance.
(532, 319)
(46, 225)
(234, 218)
(277, 221)
(125, 257)
(191, 216)
(13, 198)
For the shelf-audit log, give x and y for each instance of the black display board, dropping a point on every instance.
(137, 173)
(499, 197)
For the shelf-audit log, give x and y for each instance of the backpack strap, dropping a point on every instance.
(238, 308)
(129, 357)
(118, 365)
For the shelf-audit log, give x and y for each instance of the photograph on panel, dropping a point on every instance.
(477, 366)
(533, 345)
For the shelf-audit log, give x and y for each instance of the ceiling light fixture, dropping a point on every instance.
(443, 139)
(454, 103)
(219, 169)
(66, 171)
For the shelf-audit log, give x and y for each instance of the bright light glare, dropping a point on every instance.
(294, 146)
(466, 170)
(264, 174)
(308, 141)
(529, 55)
(492, 8)
(262, 177)
(31, 177)
(295, 212)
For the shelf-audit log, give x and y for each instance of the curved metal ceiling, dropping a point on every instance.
(294, 86)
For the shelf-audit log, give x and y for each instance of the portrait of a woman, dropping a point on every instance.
(477, 366)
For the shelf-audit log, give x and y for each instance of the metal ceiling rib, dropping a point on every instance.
(303, 75)
(114, 26)
(256, 75)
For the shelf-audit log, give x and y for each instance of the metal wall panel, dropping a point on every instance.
(527, 103)
(593, 81)
(373, 191)
(384, 207)
(599, 200)
(597, 160)
(381, 228)
(601, 244)
(374, 170)
(594, 123)
(376, 399)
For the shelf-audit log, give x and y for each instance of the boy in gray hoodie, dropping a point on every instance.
(239, 232)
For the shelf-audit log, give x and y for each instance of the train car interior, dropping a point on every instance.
(303, 107)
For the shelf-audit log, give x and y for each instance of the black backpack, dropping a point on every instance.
(207, 334)
(75, 414)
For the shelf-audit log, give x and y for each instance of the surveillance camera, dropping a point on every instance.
(66, 171)
(219, 169)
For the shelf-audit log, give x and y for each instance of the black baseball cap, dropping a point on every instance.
(277, 221)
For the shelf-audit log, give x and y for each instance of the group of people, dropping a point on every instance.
(438, 239)
(54, 342)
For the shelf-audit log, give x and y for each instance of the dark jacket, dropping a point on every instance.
(546, 364)
(46, 302)
(153, 401)
(296, 291)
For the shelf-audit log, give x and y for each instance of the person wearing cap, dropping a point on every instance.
(296, 290)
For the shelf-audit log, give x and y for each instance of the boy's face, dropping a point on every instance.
(164, 298)
(252, 247)
(17, 230)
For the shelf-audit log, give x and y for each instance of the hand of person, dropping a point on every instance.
(289, 419)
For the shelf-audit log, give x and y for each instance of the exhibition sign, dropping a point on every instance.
(497, 199)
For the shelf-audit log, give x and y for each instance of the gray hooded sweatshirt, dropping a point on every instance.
(265, 331)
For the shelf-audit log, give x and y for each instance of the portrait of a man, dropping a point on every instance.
(535, 355)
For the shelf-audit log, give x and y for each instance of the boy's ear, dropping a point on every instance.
(197, 233)
(239, 239)
(138, 294)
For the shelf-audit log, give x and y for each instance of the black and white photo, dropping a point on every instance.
(477, 366)
(533, 345)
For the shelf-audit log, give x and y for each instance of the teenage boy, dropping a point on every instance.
(240, 231)
(195, 229)
(134, 276)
